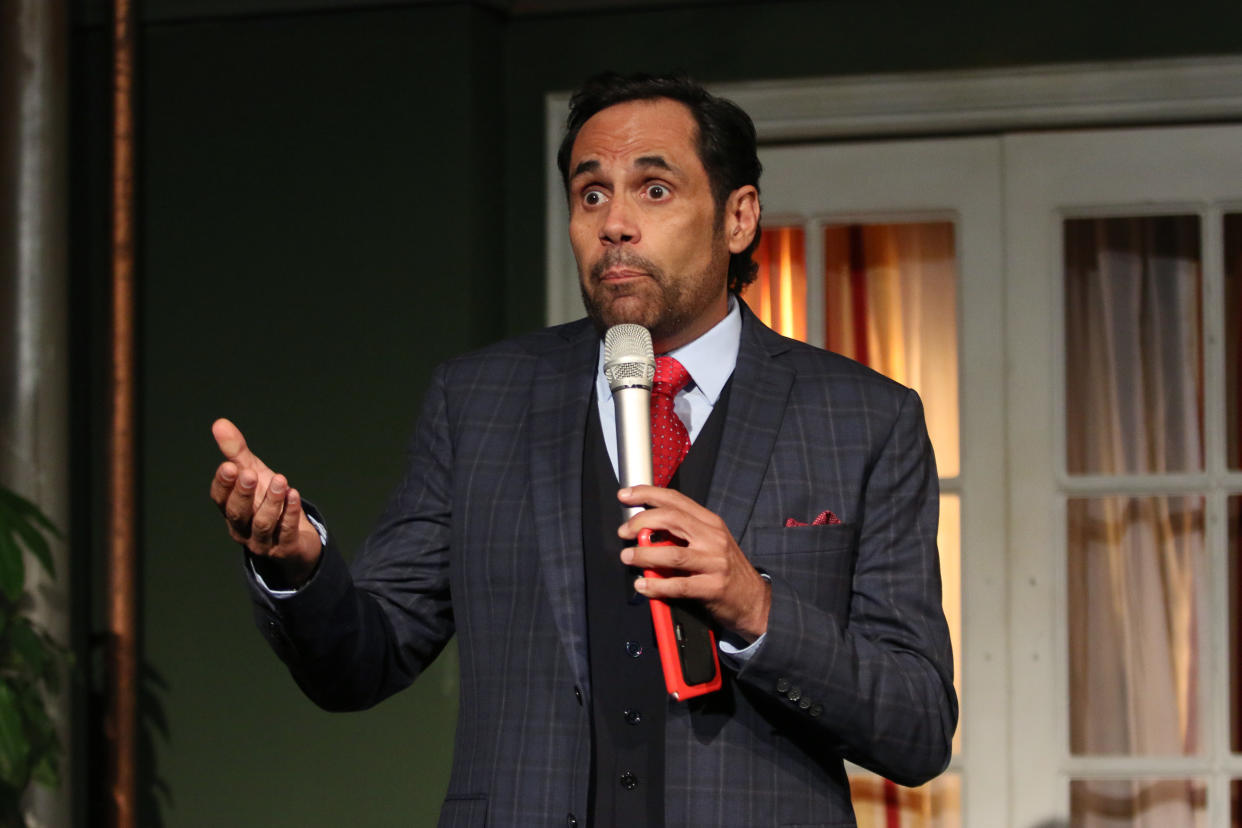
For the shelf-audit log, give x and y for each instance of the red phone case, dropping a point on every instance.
(666, 640)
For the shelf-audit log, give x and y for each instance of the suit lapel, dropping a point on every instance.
(757, 399)
(561, 395)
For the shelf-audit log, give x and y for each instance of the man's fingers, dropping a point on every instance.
(671, 519)
(233, 445)
(679, 558)
(239, 507)
(291, 520)
(669, 589)
(223, 482)
(267, 516)
(660, 497)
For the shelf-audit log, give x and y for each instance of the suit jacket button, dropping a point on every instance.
(571, 821)
(782, 684)
(794, 694)
(815, 711)
(629, 781)
(633, 649)
(804, 703)
(578, 694)
(632, 716)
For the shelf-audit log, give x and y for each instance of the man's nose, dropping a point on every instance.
(620, 224)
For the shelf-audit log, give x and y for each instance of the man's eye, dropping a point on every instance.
(657, 192)
(592, 198)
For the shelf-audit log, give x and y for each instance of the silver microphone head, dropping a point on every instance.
(629, 360)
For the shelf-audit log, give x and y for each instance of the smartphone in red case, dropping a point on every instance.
(684, 637)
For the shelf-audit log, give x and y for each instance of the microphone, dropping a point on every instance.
(684, 637)
(629, 367)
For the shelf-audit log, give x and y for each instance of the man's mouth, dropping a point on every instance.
(620, 274)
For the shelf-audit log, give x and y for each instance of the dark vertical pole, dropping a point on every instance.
(122, 720)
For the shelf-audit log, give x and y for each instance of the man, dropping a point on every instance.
(806, 512)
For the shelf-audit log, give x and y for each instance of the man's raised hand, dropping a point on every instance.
(262, 513)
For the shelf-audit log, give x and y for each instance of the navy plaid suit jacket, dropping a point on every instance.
(483, 538)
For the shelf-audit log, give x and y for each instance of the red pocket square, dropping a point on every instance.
(824, 518)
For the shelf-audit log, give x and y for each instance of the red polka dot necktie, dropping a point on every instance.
(670, 442)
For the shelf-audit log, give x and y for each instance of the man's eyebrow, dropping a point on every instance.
(642, 162)
(584, 167)
(657, 161)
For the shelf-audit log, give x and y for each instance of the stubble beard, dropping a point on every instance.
(662, 305)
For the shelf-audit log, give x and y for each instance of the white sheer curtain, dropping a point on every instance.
(1134, 406)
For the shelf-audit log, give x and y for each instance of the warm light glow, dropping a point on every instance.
(880, 804)
(890, 301)
(786, 295)
(778, 294)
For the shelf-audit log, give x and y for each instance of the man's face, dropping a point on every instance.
(650, 245)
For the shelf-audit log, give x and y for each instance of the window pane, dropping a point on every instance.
(879, 803)
(778, 294)
(1142, 803)
(890, 302)
(1233, 337)
(1135, 578)
(1133, 345)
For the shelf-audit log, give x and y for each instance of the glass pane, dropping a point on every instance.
(1133, 345)
(879, 803)
(778, 294)
(1233, 337)
(1142, 803)
(1235, 623)
(1135, 580)
(890, 302)
(949, 541)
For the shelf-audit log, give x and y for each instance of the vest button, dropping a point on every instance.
(629, 781)
(632, 716)
(633, 649)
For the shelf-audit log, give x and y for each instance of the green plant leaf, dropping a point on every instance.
(14, 749)
(19, 505)
(45, 771)
(12, 568)
(29, 645)
(35, 542)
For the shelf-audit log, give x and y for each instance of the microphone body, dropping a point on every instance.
(684, 637)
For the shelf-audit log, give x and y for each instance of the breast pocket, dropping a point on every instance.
(817, 561)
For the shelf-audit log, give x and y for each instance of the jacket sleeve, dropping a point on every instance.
(354, 635)
(872, 672)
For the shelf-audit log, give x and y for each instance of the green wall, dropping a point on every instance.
(312, 246)
(336, 196)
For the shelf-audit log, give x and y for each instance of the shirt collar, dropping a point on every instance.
(710, 359)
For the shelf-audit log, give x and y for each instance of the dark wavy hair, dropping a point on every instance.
(726, 140)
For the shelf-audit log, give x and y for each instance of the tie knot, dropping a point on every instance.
(670, 376)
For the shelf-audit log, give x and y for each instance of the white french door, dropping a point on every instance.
(1122, 319)
(899, 205)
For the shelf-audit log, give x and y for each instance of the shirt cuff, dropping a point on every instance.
(285, 593)
(741, 655)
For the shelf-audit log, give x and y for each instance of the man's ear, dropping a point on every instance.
(741, 218)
